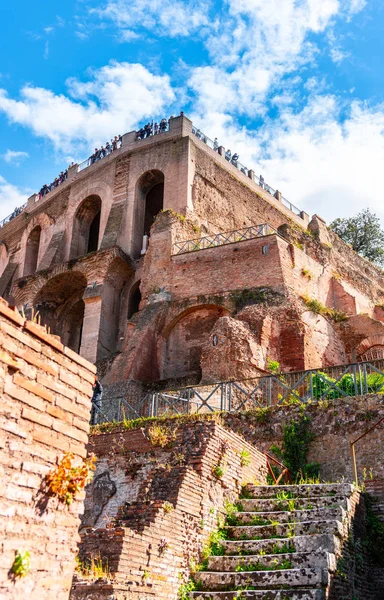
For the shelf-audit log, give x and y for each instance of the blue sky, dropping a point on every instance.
(294, 86)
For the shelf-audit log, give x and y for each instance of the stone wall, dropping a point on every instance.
(145, 495)
(44, 412)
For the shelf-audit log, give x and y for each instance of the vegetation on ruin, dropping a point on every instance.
(21, 565)
(245, 458)
(326, 388)
(307, 273)
(68, 478)
(93, 567)
(273, 366)
(317, 307)
(181, 218)
(297, 437)
(364, 234)
(161, 435)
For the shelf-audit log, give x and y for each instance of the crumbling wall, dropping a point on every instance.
(151, 506)
(44, 412)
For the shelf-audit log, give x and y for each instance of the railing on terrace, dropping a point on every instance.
(260, 181)
(13, 215)
(314, 385)
(221, 239)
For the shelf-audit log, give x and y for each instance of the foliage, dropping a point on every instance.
(67, 479)
(296, 441)
(245, 458)
(185, 589)
(161, 435)
(363, 232)
(307, 273)
(168, 507)
(93, 568)
(214, 545)
(317, 307)
(263, 414)
(22, 564)
(163, 545)
(273, 366)
(374, 539)
(325, 387)
(218, 470)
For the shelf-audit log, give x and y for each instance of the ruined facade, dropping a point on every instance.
(162, 311)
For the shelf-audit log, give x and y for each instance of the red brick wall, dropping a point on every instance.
(128, 531)
(45, 407)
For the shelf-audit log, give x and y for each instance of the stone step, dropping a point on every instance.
(301, 491)
(215, 581)
(286, 594)
(304, 543)
(315, 514)
(296, 560)
(272, 504)
(251, 532)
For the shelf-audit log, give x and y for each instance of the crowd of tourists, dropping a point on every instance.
(152, 128)
(103, 151)
(55, 183)
(17, 211)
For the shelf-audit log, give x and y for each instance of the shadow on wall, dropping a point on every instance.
(86, 227)
(32, 251)
(149, 201)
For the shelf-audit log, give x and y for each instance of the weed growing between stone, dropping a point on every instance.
(94, 568)
(161, 435)
(67, 478)
(317, 307)
(21, 565)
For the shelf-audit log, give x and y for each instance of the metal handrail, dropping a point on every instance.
(221, 239)
(13, 215)
(353, 452)
(285, 470)
(236, 163)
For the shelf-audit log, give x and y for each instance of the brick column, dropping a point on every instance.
(91, 328)
(128, 138)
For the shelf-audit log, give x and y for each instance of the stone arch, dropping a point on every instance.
(32, 251)
(61, 306)
(86, 227)
(149, 201)
(371, 348)
(183, 340)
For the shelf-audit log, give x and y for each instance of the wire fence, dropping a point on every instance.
(342, 381)
(259, 180)
(221, 239)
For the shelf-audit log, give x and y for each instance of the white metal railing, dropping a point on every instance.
(221, 239)
(14, 214)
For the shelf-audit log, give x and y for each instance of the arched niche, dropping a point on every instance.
(32, 251)
(149, 201)
(86, 227)
(61, 307)
(134, 300)
(184, 339)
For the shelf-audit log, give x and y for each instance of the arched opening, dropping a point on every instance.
(86, 227)
(93, 238)
(61, 307)
(149, 201)
(154, 202)
(32, 251)
(184, 341)
(372, 353)
(134, 300)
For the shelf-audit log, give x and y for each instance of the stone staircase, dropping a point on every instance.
(283, 544)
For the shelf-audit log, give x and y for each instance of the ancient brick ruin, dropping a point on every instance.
(171, 268)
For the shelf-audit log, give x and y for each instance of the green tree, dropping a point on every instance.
(363, 232)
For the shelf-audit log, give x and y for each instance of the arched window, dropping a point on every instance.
(86, 227)
(149, 201)
(32, 251)
(134, 300)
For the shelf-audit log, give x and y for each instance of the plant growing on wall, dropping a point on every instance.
(161, 435)
(69, 478)
(22, 564)
(297, 438)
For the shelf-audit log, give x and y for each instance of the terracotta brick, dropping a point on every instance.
(8, 360)
(73, 408)
(20, 336)
(75, 382)
(52, 384)
(50, 439)
(13, 315)
(42, 334)
(37, 417)
(23, 396)
(35, 388)
(58, 413)
(82, 424)
(81, 361)
(72, 432)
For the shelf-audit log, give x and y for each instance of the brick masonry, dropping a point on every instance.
(45, 393)
(143, 493)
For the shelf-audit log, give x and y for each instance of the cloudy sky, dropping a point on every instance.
(296, 87)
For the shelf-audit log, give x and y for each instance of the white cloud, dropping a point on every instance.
(11, 197)
(14, 157)
(114, 98)
(172, 18)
